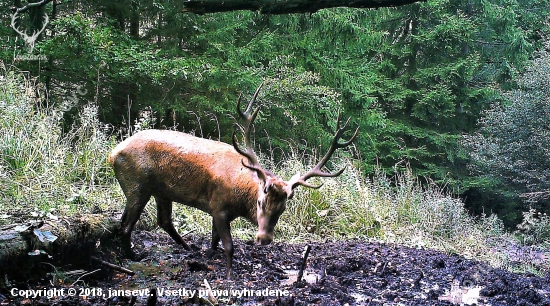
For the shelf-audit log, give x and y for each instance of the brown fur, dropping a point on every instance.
(188, 170)
(201, 173)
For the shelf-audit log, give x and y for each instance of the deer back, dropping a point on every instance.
(187, 169)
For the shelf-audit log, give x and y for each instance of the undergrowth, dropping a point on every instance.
(46, 172)
(43, 169)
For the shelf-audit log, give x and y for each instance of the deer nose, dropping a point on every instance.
(264, 239)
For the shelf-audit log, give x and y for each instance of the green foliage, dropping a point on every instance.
(512, 143)
(46, 173)
(398, 210)
(414, 78)
(417, 77)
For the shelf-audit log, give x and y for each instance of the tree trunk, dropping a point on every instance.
(285, 7)
(23, 252)
(134, 20)
(50, 67)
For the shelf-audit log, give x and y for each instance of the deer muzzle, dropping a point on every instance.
(266, 227)
(264, 238)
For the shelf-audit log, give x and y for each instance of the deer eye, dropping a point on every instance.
(266, 189)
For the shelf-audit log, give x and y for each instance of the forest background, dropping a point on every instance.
(455, 91)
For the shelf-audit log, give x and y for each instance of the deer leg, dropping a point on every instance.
(215, 240)
(135, 204)
(215, 236)
(164, 219)
(223, 228)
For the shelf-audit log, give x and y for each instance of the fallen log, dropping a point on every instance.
(24, 248)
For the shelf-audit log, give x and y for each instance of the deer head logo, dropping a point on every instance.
(32, 38)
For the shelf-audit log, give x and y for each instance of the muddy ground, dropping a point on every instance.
(338, 273)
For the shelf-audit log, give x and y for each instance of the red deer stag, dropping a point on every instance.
(209, 175)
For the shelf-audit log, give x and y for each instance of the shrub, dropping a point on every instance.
(512, 142)
(535, 228)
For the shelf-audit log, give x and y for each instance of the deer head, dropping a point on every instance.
(273, 192)
(29, 40)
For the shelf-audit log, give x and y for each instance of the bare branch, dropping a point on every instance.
(25, 8)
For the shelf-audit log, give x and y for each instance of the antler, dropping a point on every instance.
(316, 171)
(36, 33)
(29, 39)
(248, 119)
(14, 26)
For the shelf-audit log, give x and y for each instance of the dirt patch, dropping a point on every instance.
(338, 273)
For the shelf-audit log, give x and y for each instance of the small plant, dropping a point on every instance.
(535, 228)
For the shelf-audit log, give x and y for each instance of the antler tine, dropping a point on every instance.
(254, 98)
(241, 114)
(249, 153)
(251, 158)
(317, 170)
(248, 122)
(246, 115)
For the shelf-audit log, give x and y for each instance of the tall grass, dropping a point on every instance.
(399, 209)
(45, 171)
